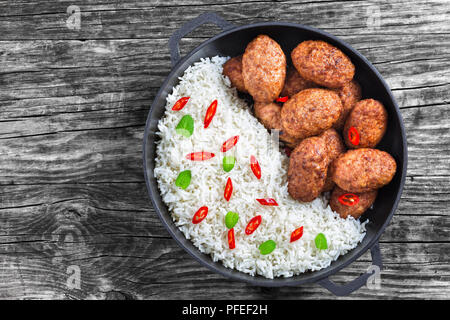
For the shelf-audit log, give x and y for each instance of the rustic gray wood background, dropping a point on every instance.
(73, 104)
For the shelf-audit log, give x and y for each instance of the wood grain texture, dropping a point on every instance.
(73, 105)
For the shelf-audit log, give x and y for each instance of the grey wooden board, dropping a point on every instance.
(73, 104)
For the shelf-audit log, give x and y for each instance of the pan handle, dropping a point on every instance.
(346, 289)
(208, 17)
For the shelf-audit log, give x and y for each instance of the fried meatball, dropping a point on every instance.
(310, 112)
(335, 147)
(350, 94)
(233, 70)
(295, 83)
(264, 69)
(308, 169)
(363, 170)
(366, 199)
(369, 118)
(288, 140)
(269, 114)
(322, 63)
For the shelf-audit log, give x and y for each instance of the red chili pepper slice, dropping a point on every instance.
(210, 112)
(200, 215)
(282, 99)
(349, 199)
(256, 168)
(200, 156)
(288, 151)
(230, 143)
(231, 240)
(180, 104)
(353, 136)
(253, 224)
(228, 190)
(267, 202)
(297, 234)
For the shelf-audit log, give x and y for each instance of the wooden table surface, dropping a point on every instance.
(73, 104)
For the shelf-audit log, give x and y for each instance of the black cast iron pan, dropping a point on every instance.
(231, 42)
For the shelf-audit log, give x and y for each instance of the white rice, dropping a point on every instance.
(204, 82)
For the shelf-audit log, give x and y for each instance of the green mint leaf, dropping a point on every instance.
(267, 247)
(321, 242)
(186, 126)
(228, 163)
(231, 219)
(183, 179)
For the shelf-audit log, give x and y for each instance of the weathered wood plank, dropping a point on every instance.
(106, 146)
(428, 140)
(113, 93)
(73, 72)
(157, 20)
(33, 55)
(124, 209)
(89, 155)
(158, 268)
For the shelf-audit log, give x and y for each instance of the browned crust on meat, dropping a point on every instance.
(329, 184)
(233, 70)
(310, 112)
(335, 147)
(350, 94)
(308, 169)
(322, 63)
(366, 199)
(370, 118)
(288, 140)
(362, 170)
(295, 83)
(264, 69)
(269, 114)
